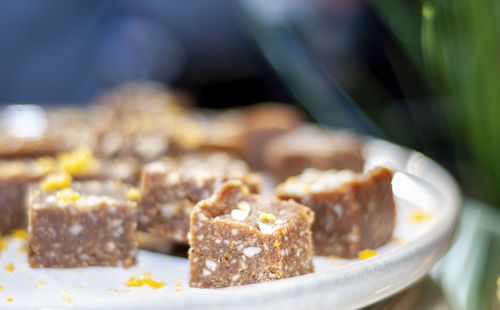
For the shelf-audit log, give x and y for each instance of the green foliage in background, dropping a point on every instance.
(459, 52)
(461, 49)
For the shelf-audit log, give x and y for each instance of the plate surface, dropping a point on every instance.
(428, 203)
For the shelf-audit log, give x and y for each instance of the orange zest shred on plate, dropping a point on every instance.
(419, 216)
(367, 254)
(146, 280)
(10, 267)
(68, 299)
(1, 287)
(9, 299)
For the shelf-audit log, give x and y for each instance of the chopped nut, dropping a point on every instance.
(239, 215)
(133, 194)
(243, 205)
(265, 228)
(252, 251)
(56, 181)
(264, 216)
(367, 254)
(67, 195)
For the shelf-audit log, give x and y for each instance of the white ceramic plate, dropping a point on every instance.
(420, 187)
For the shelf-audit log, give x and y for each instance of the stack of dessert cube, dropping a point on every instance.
(89, 184)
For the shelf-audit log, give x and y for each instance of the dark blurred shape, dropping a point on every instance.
(55, 52)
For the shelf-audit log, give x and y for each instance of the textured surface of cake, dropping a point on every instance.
(353, 211)
(310, 146)
(242, 238)
(171, 187)
(82, 224)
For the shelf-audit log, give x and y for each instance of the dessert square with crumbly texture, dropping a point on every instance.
(353, 211)
(242, 238)
(311, 146)
(171, 187)
(245, 131)
(15, 177)
(83, 165)
(82, 224)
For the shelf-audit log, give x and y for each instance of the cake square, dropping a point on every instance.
(246, 131)
(84, 224)
(15, 177)
(353, 211)
(171, 187)
(238, 238)
(311, 146)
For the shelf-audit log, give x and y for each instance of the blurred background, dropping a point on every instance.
(422, 74)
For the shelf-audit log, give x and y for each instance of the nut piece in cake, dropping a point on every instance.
(171, 187)
(353, 211)
(310, 146)
(15, 176)
(86, 224)
(242, 238)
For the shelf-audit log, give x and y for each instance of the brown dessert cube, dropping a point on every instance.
(246, 131)
(15, 176)
(312, 147)
(353, 211)
(148, 137)
(154, 243)
(171, 187)
(82, 165)
(144, 121)
(137, 98)
(90, 223)
(32, 131)
(242, 238)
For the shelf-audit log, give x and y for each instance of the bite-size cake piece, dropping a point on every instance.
(311, 146)
(171, 187)
(242, 238)
(246, 131)
(29, 131)
(353, 211)
(15, 177)
(83, 165)
(90, 223)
